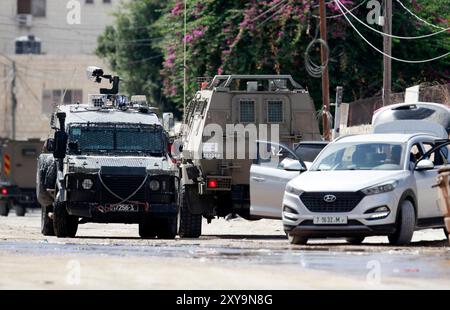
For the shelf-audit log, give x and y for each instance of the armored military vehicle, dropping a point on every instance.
(108, 163)
(17, 181)
(213, 183)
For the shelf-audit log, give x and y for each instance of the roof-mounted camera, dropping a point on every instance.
(96, 75)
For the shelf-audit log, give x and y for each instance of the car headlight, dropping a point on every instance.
(381, 188)
(87, 184)
(292, 190)
(154, 185)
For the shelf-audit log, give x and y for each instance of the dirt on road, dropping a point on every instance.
(234, 254)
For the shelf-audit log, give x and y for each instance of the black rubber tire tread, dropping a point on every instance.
(190, 224)
(64, 225)
(46, 222)
(406, 224)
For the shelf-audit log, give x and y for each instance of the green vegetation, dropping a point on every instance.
(145, 46)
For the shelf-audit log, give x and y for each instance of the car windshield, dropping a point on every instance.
(309, 152)
(117, 138)
(360, 156)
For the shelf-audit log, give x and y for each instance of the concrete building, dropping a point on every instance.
(51, 43)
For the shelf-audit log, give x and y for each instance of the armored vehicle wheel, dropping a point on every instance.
(406, 223)
(190, 225)
(167, 227)
(46, 222)
(64, 225)
(20, 210)
(298, 240)
(4, 209)
(147, 229)
(355, 240)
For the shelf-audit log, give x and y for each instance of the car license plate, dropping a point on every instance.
(330, 220)
(119, 208)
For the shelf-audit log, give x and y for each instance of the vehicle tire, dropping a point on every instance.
(406, 224)
(20, 210)
(355, 240)
(190, 225)
(167, 227)
(64, 225)
(4, 209)
(297, 240)
(46, 222)
(147, 229)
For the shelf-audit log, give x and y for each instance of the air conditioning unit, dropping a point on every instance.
(25, 20)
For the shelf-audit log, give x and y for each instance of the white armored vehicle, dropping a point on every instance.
(109, 164)
(219, 135)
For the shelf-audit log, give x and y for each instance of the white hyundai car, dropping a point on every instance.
(365, 185)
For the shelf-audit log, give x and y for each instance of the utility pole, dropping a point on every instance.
(325, 78)
(387, 45)
(13, 100)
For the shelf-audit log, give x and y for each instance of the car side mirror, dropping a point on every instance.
(60, 145)
(293, 165)
(50, 145)
(424, 164)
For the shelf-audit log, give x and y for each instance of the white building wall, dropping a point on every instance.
(56, 34)
(32, 114)
(66, 52)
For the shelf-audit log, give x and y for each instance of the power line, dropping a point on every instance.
(339, 4)
(383, 53)
(417, 17)
(269, 10)
(340, 15)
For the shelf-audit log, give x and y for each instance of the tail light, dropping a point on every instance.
(4, 191)
(212, 184)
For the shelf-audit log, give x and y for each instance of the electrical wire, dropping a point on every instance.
(340, 15)
(387, 55)
(269, 10)
(272, 16)
(418, 18)
(340, 5)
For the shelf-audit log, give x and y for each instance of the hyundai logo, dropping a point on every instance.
(329, 198)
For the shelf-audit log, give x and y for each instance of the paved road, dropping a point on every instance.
(232, 254)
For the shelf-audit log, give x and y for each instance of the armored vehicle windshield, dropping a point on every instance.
(117, 138)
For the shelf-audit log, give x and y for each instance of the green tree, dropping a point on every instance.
(271, 36)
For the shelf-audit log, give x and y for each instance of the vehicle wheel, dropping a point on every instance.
(298, 240)
(46, 222)
(355, 240)
(406, 223)
(190, 225)
(64, 225)
(167, 227)
(147, 229)
(20, 210)
(4, 209)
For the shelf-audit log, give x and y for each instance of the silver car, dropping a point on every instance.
(377, 184)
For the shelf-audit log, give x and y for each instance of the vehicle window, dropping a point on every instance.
(118, 138)
(438, 157)
(308, 152)
(271, 155)
(360, 156)
(415, 153)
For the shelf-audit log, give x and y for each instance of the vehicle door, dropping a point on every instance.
(427, 197)
(268, 179)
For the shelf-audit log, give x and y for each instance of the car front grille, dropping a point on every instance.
(122, 186)
(344, 202)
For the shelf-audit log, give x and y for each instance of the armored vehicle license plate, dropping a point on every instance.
(119, 208)
(330, 220)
